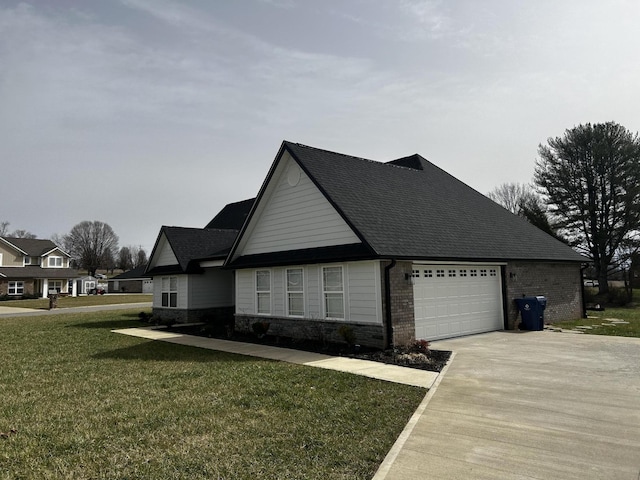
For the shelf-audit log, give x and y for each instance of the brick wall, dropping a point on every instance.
(320, 330)
(402, 311)
(559, 282)
(215, 315)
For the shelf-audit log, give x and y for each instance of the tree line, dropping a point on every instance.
(586, 192)
(93, 245)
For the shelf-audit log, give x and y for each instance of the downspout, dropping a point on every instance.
(387, 301)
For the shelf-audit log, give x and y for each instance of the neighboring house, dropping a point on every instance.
(132, 281)
(185, 265)
(397, 251)
(85, 285)
(34, 267)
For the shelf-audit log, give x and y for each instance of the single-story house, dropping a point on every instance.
(131, 281)
(35, 267)
(397, 251)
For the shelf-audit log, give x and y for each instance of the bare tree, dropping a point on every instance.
(87, 243)
(139, 256)
(125, 261)
(512, 196)
(4, 229)
(22, 234)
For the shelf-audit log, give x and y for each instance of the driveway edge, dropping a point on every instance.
(389, 460)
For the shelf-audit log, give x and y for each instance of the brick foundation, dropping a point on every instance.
(320, 330)
(217, 315)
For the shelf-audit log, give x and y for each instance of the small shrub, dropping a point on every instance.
(144, 316)
(618, 297)
(348, 334)
(420, 346)
(260, 328)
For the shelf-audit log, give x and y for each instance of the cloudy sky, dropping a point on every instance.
(142, 113)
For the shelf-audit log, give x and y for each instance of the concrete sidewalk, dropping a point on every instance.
(527, 405)
(390, 373)
(32, 312)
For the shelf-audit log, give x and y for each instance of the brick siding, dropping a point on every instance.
(402, 310)
(217, 315)
(561, 283)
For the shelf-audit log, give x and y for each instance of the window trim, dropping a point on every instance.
(15, 287)
(326, 292)
(26, 260)
(171, 294)
(290, 293)
(265, 293)
(55, 258)
(58, 284)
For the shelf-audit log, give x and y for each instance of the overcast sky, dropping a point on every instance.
(142, 113)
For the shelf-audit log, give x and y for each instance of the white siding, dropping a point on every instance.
(164, 254)
(245, 292)
(293, 217)
(362, 290)
(214, 288)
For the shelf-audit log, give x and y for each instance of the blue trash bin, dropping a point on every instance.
(532, 312)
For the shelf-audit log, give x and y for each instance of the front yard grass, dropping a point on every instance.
(81, 301)
(596, 319)
(78, 402)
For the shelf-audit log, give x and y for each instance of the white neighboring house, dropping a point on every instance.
(34, 267)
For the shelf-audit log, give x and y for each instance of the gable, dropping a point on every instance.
(163, 254)
(293, 214)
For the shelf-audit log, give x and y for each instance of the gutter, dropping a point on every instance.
(387, 302)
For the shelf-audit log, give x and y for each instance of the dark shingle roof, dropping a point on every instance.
(191, 244)
(409, 208)
(34, 247)
(137, 272)
(232, 216)
(35, 271)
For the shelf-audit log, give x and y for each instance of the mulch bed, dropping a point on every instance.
(431, 360)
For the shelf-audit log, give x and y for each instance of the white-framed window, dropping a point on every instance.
(55, 285)
(263, 292)
(439, 273)
(483, 272)
(333, 292)
(55, 262)
(0, 259)
(27, 261)
(16, 288)
(493, 272)
(452, 273)
(170, 292)
(473, 272)
(428, 273)
(463, 273)
(295, 292)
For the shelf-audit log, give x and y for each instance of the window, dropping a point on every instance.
(55, 262)
(473, 272)
(415, 273)
(170, 292)
(439, 273)
(16, 288)
(263, 291)
(452, 273)
(333, 291)
(27, 260)
(463, 273)
(428, 273)
(492, 272)
(55, 285)
(483, 273)
(295, 292)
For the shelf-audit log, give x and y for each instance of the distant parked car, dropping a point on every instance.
(100, 276)
(97, 291)
(591, 283)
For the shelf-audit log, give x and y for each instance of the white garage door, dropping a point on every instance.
(455, 300)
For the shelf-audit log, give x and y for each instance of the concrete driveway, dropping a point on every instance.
(528, 405)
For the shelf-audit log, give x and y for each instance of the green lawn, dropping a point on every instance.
(81, 301)
(88, 403)
(596, 319)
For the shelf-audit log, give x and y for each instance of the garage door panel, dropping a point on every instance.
(456, 300)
